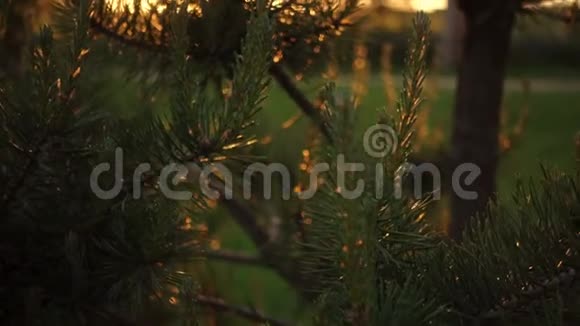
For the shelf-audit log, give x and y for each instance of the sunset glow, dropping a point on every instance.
(120, 4)
(146, 5)
(432, 5)
(425, 5)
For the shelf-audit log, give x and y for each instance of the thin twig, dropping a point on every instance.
(269, 251)
(98, 28)
(305, 105)
(245, 218)
(245, 312)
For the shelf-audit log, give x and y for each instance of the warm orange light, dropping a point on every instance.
(147, 5)
(424, 5)
(428, 5)
(432, 5)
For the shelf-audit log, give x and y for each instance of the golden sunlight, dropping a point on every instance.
(429, 5)
(120, 4)
(148, 5)
(425, 5)
(433, 5)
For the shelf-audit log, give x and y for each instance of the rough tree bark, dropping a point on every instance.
(478, 100)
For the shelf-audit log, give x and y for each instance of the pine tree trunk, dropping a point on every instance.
(478, 102)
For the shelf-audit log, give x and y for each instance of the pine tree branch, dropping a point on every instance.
(285, 81)
(245, 312)
(246, 219)
(269, 252)
(276, 71)
(531, 294)
(98, 28)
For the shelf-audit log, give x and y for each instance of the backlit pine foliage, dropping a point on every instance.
(70, 258)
